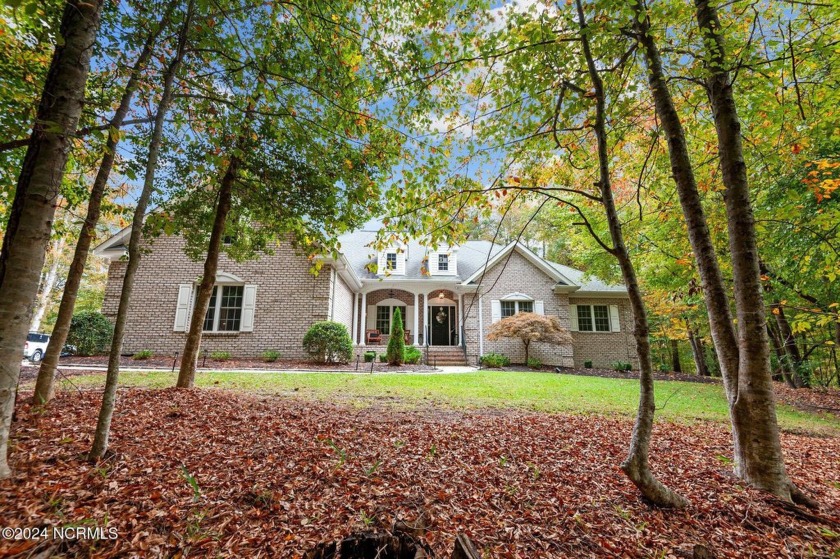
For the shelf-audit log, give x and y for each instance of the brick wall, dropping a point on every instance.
(604, 348)
(520, 275)
(288, 300)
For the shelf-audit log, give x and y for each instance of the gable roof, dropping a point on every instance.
(542, 264)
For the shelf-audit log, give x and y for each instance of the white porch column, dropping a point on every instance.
(426, 334)
(416, 316)
(480, 325)
(355, 326)
(363, 325)
(461, 322)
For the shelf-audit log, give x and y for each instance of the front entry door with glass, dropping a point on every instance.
(442, 324)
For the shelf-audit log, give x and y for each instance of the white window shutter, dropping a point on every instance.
(615, 323)
(573, 315)
(453, 263)
(539, 307)
(400, 271)
(182, 309)
(495, 310)
(249, 305)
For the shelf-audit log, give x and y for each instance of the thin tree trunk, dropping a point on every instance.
(44, 385)
(698, 353)
(778, 347)
(109, 396)
(47, 286)
(186, 374)
(759, 459)
(788, 339)
(636, 466)
(676, 366)
(33, 208)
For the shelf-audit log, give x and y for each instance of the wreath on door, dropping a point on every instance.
(441, 316)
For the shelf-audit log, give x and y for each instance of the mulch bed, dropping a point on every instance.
(274, 476)
(166, 362)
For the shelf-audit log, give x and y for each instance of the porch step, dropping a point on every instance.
(446, 356)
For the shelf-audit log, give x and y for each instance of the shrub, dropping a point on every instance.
(142, 354)
(495, 360)
(396, 343)
(90, 333)
(271, 355)
(534, 363)
(328, 342)
(628, 366)
(370, 356)
(383, 358)
(530, 327)
(622, 366)
(587, 364)
(220, 355)
(413, 355)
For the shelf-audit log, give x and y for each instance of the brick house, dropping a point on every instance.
(448, 298)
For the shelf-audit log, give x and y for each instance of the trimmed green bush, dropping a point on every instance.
(328, 342)
(271, 355)
(396, 343)
(534, 363)
(142, 355)
(413, 355)
(220, 355)
(587, 364)
(622, 366)
(383, 358)
(90, 332)
(370, 356)
(495, 360)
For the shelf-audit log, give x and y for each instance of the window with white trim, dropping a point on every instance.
(593, 318)
(391, 261)
(443, 262)
(510, 308)
(385, 317)
(224, 314)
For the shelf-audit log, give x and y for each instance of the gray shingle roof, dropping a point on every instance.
(472, 256)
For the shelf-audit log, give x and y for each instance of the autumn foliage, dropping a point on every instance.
(530, 327)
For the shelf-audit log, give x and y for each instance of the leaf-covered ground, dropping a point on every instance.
(208, 473)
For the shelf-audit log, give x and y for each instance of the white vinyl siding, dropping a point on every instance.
(443, 262)
(391, 262)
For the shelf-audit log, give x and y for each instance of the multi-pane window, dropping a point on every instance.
(593, 318)
(224, 313)
(385, 317)
(602, 318)
(510, 308)
(391, 261)
(443, 262)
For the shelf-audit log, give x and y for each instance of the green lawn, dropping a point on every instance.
(681, 401)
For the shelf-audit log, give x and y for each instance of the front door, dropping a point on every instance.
(441, 318)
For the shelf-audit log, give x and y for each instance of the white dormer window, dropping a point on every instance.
(391, 262)
(443, 261)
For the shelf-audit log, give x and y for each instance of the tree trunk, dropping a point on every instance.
(636, 466)
(109, 396)
(47, 286)
(33, 208)
(675, 356)
(789, 344)
(44, 386)
(778, 347)
(758, 450)
(698, 353)
(186, 374)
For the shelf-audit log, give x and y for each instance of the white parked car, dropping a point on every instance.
(36, 346)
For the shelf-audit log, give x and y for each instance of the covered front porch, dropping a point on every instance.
(430, 317)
